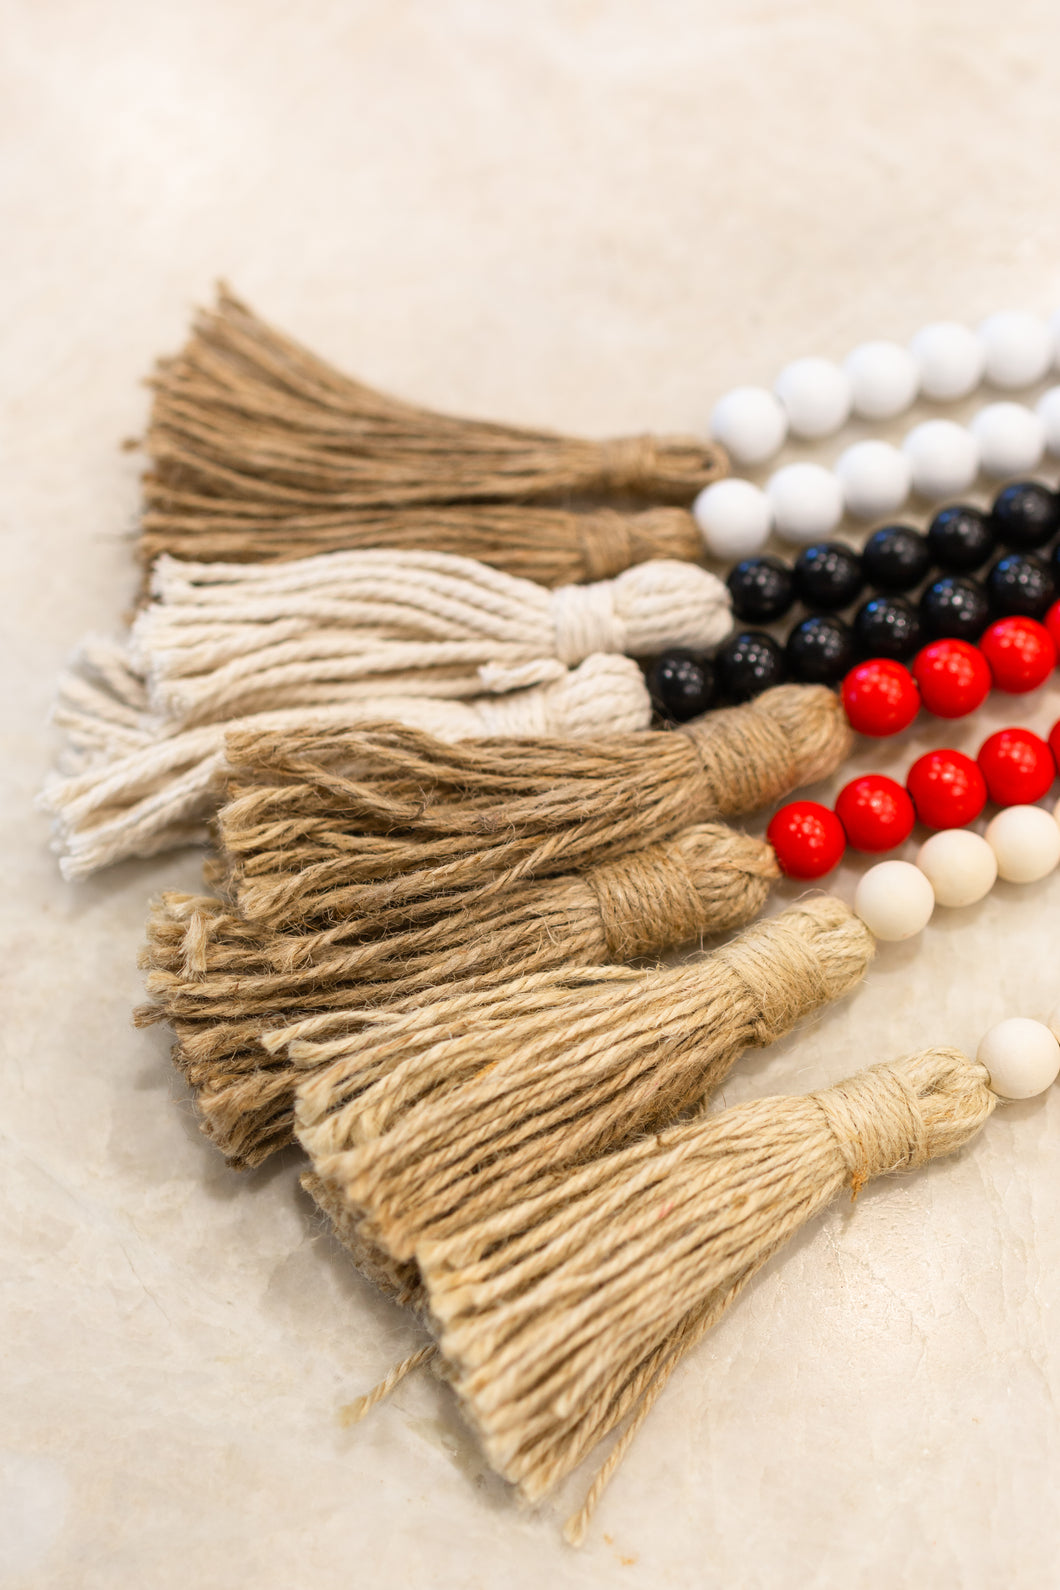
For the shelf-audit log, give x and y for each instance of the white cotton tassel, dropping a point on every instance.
(140, 792)
(222, 640)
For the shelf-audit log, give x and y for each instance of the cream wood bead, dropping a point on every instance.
(1053, 1021)
(959, 865)
(1022, 1057)
(875, 479)
(734, 518)
(750, 423)
(951, 360)
(807, 502)
(1010, 438)
(1026, 842)
(1048, 411)
(884, 379)
(895, 900)
(816, 396)
(1019, 348)
(943, 457)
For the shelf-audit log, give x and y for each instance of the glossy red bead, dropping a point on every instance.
(876, 813)
(1018, 767)
(1052, 624)
(953, 676)
(1054, 741)
(1020, 652)
(808, 839)
(880, 697)
(947, 789)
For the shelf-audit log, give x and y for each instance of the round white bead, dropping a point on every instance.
(807, 501)
(1048, 411)
(816, 396)
(884, 379)
(734, 519)
(1026, 842)
(1018, 348)
(1022, 1057)
(951, 360)
(1011, 439)
(959, 865)
(895, 900)
(750, 423)
(875, 478)
(1052, 1021)
(943, 456)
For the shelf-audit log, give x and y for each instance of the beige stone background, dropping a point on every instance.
(590, 215)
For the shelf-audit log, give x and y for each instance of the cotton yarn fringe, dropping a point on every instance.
(392, 821)
(222, 982)
(258, 448)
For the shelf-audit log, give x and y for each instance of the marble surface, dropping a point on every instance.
(596, 216)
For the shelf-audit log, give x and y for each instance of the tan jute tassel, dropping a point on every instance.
(358, 825)
(261, 450)
(222, 982)
(432, 1113)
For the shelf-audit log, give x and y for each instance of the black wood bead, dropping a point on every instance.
(1020, 583)
(961, 538)
(888, 626)
(1026, 515)
(828, 576)
(762, 589)
(820, 650)
(955, 608)
(749, 663)
(896, 558)
(682, 685)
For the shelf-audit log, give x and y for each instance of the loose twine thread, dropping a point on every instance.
(259, 450)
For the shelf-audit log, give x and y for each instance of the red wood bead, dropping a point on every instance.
(953, 676)
(808, 839)
(1052, 624)
(1020, 652)
(1054, 741)
(1018, 767)
(880, 697)
(947, 789)
(876, 813)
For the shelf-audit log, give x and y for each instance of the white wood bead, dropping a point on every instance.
(944, 458)
(1026, 842)
(951, 359)
(807, 502)
(1010, 437)
(1048, 411)
(884, 379)
(875, 479)
(959, 865)
(734, 518)
(816, 396)
(1019, 348)
(895, 900)
(1022, 1057)
(750, 423)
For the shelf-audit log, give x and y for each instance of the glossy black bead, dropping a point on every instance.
(762, 589)
(820, 650)
(827, 576)
(1020, 583)
(749, 663)
(961, 538)
(896, 558)
(888, 626)
(682, 685)
(955, 608)
(1026, 515)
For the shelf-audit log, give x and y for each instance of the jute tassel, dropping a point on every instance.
(222, 982)
(127, 790)
(258, 446)
(562, 1313)
(393, 821)
(434, 1113)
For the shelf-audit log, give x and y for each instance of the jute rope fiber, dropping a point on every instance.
(261, 450)
(222, 982)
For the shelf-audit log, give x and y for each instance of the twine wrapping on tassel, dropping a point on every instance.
(222, 982)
